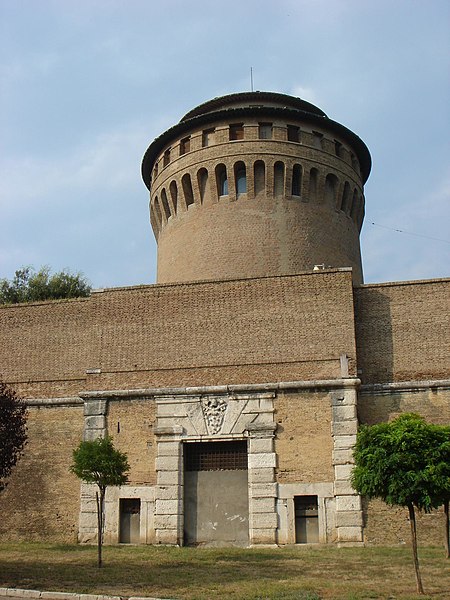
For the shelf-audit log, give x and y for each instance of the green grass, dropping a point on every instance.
(294, 573)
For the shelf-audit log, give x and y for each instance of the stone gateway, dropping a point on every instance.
(237, 382)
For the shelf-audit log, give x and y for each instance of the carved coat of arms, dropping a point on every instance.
(214, 412)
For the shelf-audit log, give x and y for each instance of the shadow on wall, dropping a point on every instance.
(25, 519)
(375, 349)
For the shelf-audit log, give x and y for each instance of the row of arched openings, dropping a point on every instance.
(345, 199)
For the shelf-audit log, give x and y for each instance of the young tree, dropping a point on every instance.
(407, 463)
(28, 285)
(13, 431)
(100, 463)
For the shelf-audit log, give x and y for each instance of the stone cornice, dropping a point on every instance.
(225, 389)
(404, 386)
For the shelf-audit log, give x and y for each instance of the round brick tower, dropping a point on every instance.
(255, 184)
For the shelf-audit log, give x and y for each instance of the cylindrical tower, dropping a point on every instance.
(255, 184)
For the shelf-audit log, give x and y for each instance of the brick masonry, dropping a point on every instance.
(265, 329)
(295, 359)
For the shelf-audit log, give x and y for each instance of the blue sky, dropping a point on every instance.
(86, 85)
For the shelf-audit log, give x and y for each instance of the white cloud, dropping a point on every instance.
(110, 161)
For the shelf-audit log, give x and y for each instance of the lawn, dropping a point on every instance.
(291, 573)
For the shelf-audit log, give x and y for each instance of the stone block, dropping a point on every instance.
(343, 472)
(166, 507)
(20, 593)
(167, 463)
(262, 505)
(342, 457)
(261, 430)
(346, 503)
(349, 518)
(169, 492)
(343, 397)
(263, 490)
(264, 418)
(349, 534)
(344, 441)
(94, 407)
(263, 520)
(91, 435)
(168, 477)
(252, 406)
(64, 596)
(343, 488)
(88, 504)
(165, 423)
(344, 413)
(95, 422)
(166, 521)
(195, 421)
(175, 409)
(168, 448)
(344, 427)
(262, 460)
(261, 476)
(266, 404)
(166, 536)
(261, 445)
(88, 520)
(169, 430)
(87, 537)
(263, 536)
(337, 398)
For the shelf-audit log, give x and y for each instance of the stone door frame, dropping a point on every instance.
(209, 418)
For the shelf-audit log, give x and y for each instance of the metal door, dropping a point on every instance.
(216, 494)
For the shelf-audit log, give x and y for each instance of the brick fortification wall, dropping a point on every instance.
(237, 331)
(42, 499)
(303, 442)
(131, 424)
(403, 335)
(403, 331)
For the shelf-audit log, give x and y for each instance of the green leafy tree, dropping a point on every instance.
(13, 431)
(406, 463)
(100, 463)
(28, 285)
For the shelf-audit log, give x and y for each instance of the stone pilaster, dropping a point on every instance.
(262, 486)
(169, 489)
(348, 518)
(94, 427)
(94, 418)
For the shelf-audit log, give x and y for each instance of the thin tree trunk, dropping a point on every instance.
(100, 518)
(412, 522)
(447, 529)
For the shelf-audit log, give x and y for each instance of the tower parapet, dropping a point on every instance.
(255, 184)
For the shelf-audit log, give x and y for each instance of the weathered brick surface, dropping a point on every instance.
(130, 424)
(262, 231)
(433, 405)
(44, 341)
(389, 525)
(303, 442)
(42, 500)
(238, 331)
(403, 331)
